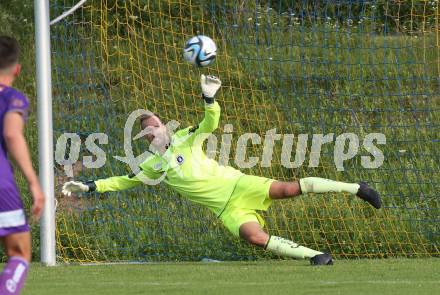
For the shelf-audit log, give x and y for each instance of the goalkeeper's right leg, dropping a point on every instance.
(254, 234)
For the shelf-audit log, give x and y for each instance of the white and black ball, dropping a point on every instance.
(200, 51)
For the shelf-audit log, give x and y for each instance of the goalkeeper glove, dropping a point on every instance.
(78, 187)
(210, 85)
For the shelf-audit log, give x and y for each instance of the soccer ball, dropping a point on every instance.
(200, 50)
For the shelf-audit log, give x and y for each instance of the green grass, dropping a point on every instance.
(391, 276)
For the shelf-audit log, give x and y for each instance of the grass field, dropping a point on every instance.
(391, 276)
(301, 76)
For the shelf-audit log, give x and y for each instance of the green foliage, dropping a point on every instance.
(385, 16)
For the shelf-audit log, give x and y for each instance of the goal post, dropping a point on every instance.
(45, 130)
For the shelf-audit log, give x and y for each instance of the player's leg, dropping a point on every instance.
(241, 219)
(18, 245)
(18, 249)
(254, 234)
(282, 190)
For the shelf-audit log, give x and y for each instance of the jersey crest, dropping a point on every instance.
(180, 159)
(193, 129)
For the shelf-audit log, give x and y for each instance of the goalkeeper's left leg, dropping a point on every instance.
(254, 234)
(281, 190)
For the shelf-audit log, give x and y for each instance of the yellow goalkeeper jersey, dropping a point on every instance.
(185, 167)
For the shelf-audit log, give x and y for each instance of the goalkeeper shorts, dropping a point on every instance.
(251, 193)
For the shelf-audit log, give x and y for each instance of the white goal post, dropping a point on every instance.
(45, 131)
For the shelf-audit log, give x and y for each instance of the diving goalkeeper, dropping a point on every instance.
(233, 196)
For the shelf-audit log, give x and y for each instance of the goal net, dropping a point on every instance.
(331, 70)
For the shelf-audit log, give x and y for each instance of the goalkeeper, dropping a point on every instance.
(233, 196)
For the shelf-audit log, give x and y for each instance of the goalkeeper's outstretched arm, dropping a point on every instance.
(210, 85)
(111, 184)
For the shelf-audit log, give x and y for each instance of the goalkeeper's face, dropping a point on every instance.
(156, 133)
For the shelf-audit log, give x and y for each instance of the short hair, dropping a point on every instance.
(147, 116)
(9, 52)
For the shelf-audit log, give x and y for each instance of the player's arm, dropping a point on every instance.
(211, 119)
(110, 184)
(18, 149)
(210, 85)
(147, 175)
